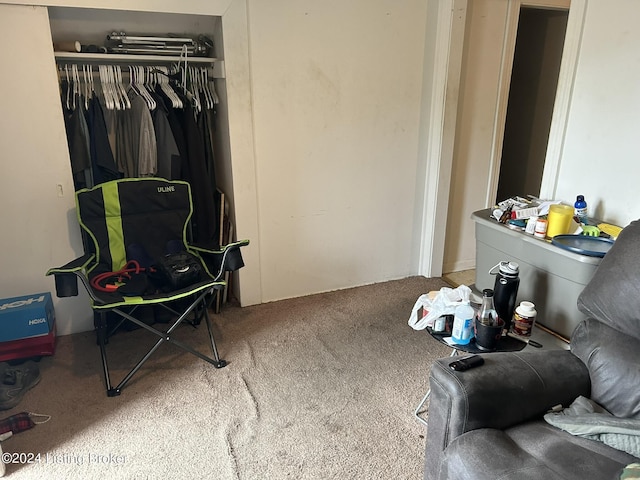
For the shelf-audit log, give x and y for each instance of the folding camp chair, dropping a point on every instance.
(132, 226)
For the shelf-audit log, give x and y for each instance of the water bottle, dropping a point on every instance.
(581, 209)
(462, 331)
(505, 290)
(487, 314)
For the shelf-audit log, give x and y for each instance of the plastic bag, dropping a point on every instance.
(444, 303)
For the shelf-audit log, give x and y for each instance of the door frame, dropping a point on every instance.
(441, 79)
(444, 104)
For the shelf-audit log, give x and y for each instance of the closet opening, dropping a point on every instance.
(155, 106)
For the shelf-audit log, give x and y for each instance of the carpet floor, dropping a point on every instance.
(318, 387)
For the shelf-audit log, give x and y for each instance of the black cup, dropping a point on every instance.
(487, 337)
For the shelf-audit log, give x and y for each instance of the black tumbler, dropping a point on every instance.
(505, 291)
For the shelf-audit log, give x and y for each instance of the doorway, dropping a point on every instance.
(532, 92)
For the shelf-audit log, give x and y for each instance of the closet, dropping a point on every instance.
(167, 91)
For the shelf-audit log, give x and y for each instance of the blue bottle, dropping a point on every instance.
(462, 331)
(581, 209)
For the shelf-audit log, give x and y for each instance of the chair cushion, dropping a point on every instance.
(533, 450)
(613, 294)
(613, 361)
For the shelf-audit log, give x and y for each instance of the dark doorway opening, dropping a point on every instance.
(534, 79)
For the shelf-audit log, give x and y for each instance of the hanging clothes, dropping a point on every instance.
(142, 136)
(78, 143)
(206, 124)
(195, 172)
(168, 154)
(144, 132)
(102, 163)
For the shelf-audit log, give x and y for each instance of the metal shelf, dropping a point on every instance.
(127, 58)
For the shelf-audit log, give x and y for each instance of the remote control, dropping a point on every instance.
(466, 363)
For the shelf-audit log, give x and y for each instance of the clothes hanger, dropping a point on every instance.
(173, 93)
(68, 100)
(193, 86)
(114, 98)
(208, 88)
(86, 73)
(76, 81)
(115, 91)
(104, 84)
(121, 89)
(165, 85)
(141, 88)
(148, 82)
(90, 87)
(203, 94)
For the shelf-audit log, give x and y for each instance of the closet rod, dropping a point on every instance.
(123, 59)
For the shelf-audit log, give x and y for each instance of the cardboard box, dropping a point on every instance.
(27, 316)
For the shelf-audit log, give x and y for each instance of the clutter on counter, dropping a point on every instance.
(547, 219)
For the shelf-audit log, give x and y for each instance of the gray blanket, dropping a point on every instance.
(587, 419)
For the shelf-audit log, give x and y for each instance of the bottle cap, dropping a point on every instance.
(527, 308)
(580, 198)
(509, 268)
(487, 292)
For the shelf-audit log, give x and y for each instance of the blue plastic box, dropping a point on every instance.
(25, 317)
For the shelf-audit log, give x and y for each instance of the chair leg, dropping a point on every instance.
(100, 323)
(165, 337)
(219, 363)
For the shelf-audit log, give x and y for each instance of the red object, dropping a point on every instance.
(29, 347)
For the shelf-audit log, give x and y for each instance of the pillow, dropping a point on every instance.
(613, 294)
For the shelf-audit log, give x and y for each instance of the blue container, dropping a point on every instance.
(462, 331)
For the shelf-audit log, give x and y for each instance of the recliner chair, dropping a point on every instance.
(133, 226)
(487, 423)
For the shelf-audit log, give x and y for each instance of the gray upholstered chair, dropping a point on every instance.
(487, 423)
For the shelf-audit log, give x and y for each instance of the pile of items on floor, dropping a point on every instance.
(27, 332)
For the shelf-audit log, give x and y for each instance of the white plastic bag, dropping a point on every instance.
(444, 303)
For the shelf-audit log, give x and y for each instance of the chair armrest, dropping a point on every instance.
(227, 259)
(73, 266)
(205, 250)
(66, 276)
(510, 388)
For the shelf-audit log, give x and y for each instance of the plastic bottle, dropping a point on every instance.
(524, 318)
(462, 331)
(487, 314)
(581, 209)
(505, 290)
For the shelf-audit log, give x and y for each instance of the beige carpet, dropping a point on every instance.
(319, 387)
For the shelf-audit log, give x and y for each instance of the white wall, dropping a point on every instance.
(38, 209)
(336, 92)
(600, 156)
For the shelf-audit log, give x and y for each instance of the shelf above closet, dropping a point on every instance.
(127, 59)
(75, 57)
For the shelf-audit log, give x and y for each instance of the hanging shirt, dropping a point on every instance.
(78, 143)
(168, 154)
(142, 136)
(103, 165)
(207, 222)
